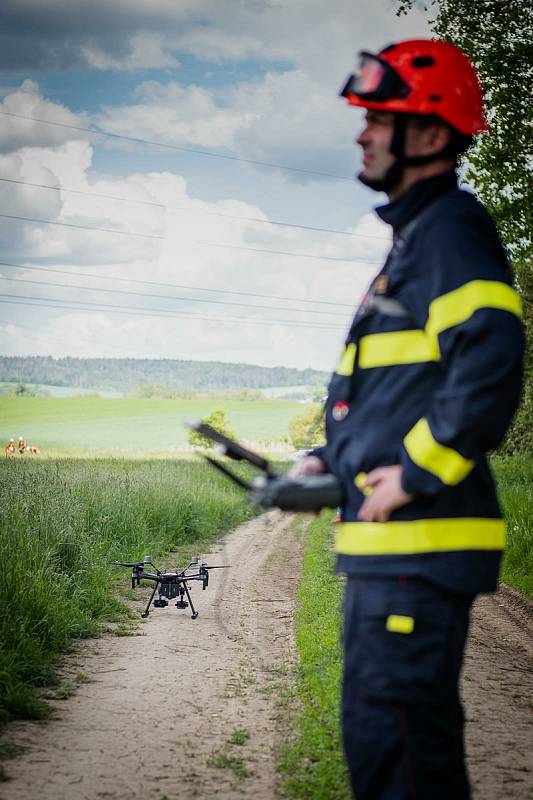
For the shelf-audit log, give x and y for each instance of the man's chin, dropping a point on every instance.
(378, 184)
(383, 183)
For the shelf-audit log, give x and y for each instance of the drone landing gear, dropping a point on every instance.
(149, 603)
(181, 603)
(170, 591)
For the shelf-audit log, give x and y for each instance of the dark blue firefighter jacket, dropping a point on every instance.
(430, 382)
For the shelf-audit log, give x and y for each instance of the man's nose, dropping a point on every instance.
(362, 138)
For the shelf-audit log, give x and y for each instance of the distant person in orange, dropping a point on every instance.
(10, 448)
(34, 451)
(22, 445)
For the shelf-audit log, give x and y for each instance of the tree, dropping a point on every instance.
(307, 429)
(496, 36)
(218, 420)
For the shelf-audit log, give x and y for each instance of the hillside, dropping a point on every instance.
(128, 374)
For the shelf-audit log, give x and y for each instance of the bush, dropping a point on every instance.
(307, 429)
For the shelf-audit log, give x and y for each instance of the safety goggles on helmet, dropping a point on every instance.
(376, 81)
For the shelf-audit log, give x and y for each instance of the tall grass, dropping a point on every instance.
(61, 524)
(514, 476)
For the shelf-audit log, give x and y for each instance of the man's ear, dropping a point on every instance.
(427, 139)
(434, 138)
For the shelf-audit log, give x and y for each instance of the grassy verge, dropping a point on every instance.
(514, 476)
(61, 524)
(312, 763)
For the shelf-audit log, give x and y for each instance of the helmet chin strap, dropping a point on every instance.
(394, 173)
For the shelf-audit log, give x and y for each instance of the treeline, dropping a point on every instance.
(129, 374)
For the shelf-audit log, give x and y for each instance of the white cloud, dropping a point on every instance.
(28, 102)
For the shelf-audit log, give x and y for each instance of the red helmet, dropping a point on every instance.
(420, 76)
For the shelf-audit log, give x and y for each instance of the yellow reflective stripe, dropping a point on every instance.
(347, 360)
(447, 464)
(458, 306)
(397, 347)
(419, 536)
(397, 623)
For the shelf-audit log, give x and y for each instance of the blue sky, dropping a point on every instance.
(256, 81)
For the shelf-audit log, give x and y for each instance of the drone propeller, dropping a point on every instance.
(129, 563)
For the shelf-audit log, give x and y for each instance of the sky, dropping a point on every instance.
(177, 177)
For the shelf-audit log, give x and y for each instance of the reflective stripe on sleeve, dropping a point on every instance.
(347, 361)
(397, 347)
(456, 307)
(424, 450)
(419, 536)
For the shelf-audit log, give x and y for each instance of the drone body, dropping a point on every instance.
(169, 585)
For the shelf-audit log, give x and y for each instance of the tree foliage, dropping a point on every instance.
(497, 36)
(307, 429)
(218, 420)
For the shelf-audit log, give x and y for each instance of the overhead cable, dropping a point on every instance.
(179, 148)
(38, 302)
(78, 274)
(166, 206)
(202, 300)
(80, 227)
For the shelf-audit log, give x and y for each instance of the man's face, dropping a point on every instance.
(375, 141)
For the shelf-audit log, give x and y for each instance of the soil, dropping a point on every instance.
(195, 707)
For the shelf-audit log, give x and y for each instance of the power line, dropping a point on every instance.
(172, 285)
(51, 302)
(81, 227)
(224, 303)
(188, 211)
(19, 218)
(194, 151)
(287, 253)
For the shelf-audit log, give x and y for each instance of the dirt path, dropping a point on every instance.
(189, 708)
(158, 719)
(498, 695)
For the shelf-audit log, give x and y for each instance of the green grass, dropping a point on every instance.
(514, 476)
(133, 425)
(61, 524)
(312, 763)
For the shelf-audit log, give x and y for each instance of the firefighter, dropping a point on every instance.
(22, 445)
(427, 384)
(10, 448)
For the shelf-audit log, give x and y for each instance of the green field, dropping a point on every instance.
(133, 425)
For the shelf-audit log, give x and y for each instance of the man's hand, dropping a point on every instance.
(310, 465)
(387, 494)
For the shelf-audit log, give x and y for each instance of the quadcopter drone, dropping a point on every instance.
(270, 490)
(169, 584)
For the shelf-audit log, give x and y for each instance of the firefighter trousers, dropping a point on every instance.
(402, 718)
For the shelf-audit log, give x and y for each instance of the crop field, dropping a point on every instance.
(62, 523)
(133, 425)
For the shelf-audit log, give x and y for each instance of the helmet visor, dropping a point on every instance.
(375, 81)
